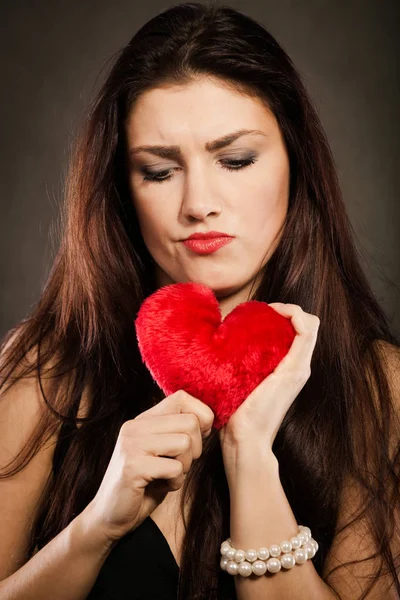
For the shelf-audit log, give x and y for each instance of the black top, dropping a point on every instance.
(140, 567)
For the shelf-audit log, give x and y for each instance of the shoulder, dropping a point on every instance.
(22, 406)
(387, 402)
(361, 504)
(390, 356)
(23, 395)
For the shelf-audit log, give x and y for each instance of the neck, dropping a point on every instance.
(230, 301)
(227, 301)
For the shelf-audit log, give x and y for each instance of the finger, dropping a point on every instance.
(173, 423)
(299, 356)
(182, 402)
(306, 327)
(168, 445)
(158, 469)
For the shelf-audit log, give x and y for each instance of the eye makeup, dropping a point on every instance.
(230, 164)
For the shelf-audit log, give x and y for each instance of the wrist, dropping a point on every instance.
(253, 457)
(249, 464)
(87, 534)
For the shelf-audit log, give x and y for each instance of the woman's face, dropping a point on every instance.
(239, 188)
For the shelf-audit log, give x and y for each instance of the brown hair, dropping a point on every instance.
(83, 322)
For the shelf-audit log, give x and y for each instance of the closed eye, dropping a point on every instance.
(230, 165)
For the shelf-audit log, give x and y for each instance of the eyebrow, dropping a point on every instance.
(175, 151)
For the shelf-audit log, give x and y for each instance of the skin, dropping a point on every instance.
(199, 193)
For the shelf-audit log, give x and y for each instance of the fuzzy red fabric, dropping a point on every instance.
(185, 345)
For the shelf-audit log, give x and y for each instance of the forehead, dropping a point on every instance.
(205, 105)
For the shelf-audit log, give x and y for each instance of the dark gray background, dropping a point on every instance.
(54, 55)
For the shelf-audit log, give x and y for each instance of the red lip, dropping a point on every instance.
(208, 235)
(207, 246)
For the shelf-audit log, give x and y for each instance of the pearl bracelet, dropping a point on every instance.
(257, 562)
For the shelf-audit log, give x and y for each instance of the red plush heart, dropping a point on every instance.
(185, 345)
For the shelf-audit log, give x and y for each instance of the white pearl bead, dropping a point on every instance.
(224, 563)
(274, 550)
(273, 565)
(224, 548)
(263, 553)
(246, 562)
(315, 544)
(286, 546)
(240, 555)
(309, 549)
(287, 561)
(303, 537)
(300, 556)
(259, 567)
(251, 555)
(245, 569)
(295, 542)
(306, 530)
(232, 567)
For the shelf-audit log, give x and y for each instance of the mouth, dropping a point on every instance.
(206, 246)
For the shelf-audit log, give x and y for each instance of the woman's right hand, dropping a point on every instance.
(140, 474)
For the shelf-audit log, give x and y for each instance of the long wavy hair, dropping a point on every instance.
(83, 323)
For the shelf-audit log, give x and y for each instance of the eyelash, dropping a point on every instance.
(240, 164)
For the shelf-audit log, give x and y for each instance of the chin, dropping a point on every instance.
(221, 291)
(225, 292)
(220, 288)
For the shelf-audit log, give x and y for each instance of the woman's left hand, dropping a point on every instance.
(254, 425)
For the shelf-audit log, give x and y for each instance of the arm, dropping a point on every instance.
(356, 542)
(260, 512)
(67, 566)
(261, 516)
(65, 569)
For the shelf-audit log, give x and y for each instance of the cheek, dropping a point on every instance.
(150, 220)
(266, 209)
(264, 214)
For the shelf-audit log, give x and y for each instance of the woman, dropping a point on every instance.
(203, 124)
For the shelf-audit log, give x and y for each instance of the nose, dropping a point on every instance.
(199, 199)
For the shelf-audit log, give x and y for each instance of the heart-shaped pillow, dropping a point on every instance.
(186, 345)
